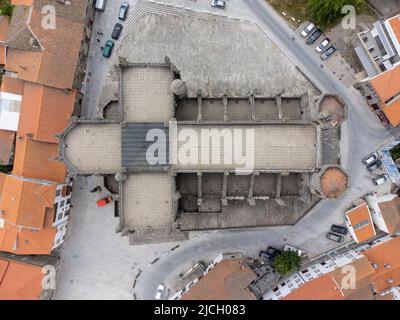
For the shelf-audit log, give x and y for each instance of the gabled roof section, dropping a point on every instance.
(228, 280)
(361, 224)
(4, 25)
(26, 203)
(390, 210)
(386, 258)
(50, 55)
(12, 85)
(19, 240)
(20, 281)
(335, 286)
(387, 87)
(20, 35)
(45, 112)
(7, 139)
(36, 160)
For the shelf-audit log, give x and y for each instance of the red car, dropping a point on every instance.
(103, 202)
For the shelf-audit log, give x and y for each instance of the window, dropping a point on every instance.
(58, 193)
(61, 204)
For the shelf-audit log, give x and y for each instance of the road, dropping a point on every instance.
(362, 134)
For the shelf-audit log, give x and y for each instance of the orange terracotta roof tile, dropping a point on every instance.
(12, 85)
(35, 159)
(2, 181)
(22, 241)
(4, 24)
(395, 25)
(361, 223)
(391, 213)
(21, 2)
(26, 203)
(322, 288)
(387, 87)
(226, 281)
(53, 58)
(387, 258)
(45, 112)
(20, 281)
(7, 139)
(332, 286)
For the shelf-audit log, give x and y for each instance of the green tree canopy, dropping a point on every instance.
(286, 262)
(6, 9)
(326, 12)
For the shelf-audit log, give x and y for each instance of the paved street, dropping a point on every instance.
(87, 261)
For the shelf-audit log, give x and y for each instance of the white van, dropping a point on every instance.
(100, 5)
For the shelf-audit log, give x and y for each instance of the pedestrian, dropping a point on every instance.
(102, 48)
(102, 33)
(98, 40)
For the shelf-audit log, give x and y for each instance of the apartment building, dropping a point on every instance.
(44, 58)
(359, 222)
(33, 214)
(372, 214)
(380, 46)
(380, 57)
(368, 272)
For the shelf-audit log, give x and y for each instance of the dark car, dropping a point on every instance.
(374, 165)
(339, 229)
(334, 237)
(123, 11)
(269, 254)
(107, 50)
(330, 51)
(116, 31)
(314, 36)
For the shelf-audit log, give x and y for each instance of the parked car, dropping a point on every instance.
(116, 31)
(370, 158)
(293, 249)
(330, 51)
(307, 30)
(374, 165)
(107, 50)
(269, 254)
(339, 229)
(159, 291)
(218, 4)
(100, 5)
(334, 237)
(323, 45)
(103, 202)
(314, 36)
(380, 180)
(123, 11)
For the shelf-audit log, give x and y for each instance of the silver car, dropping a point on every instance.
(159, 291)
(380, 180)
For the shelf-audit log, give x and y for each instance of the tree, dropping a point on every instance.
(326, 12)
(6, 8)
(286, 262)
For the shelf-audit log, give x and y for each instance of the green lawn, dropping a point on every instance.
(293, 8)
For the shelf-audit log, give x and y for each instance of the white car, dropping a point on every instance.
(307, 30)
(380, 180)
(323, 45)
(160, 291)
(293, 249)
(218, 4)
